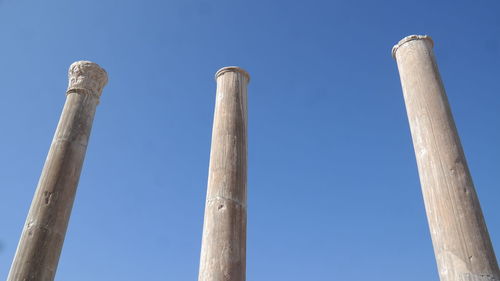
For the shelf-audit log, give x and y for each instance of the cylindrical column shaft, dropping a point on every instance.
(42, 238)
(223, 251)
(459, 235)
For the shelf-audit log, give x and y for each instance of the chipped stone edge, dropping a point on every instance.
(232, 69)
(411, 38)
(86, 77)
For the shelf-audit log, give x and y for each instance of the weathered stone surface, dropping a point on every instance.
(86, 77)
(42, 238)
(461, 242)
(223, 252)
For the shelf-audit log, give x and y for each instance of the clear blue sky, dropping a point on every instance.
(333, 184)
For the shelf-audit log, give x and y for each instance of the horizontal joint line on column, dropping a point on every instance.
(226, 199)
(30, 226)
(70, 142)
(82, 92)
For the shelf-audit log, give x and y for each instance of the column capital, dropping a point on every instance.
(86, 77)
(411, 38)
(232, 69)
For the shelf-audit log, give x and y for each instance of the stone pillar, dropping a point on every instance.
(461, 242)
(223, 251)
(42, 238)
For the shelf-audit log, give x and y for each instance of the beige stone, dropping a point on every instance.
(223, 252)
(42, 237)
(460, 238)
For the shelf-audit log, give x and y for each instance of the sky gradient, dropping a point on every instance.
(333, 190)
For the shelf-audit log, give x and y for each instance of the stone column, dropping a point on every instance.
(42, 238)
(461, 242)
(223, 251)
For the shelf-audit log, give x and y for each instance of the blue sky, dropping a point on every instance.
(333, 184)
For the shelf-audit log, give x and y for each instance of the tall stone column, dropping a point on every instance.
(42, 238)
(461, 242)
(223, 251)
